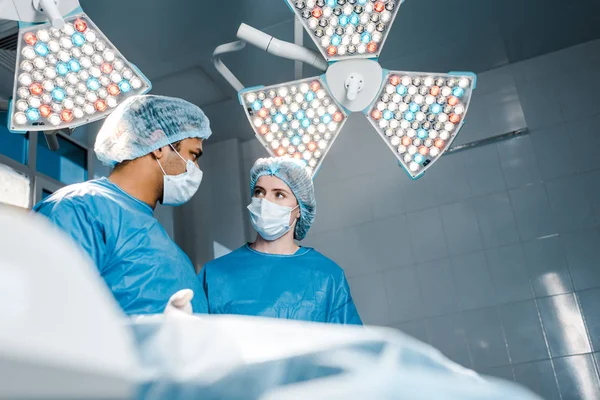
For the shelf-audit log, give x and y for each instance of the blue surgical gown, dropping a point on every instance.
(140, 263)
(304, 286)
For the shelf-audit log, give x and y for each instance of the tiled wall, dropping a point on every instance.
(494, 255)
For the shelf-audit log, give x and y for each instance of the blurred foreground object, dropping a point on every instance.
(63, 336)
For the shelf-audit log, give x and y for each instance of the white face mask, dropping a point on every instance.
(179, 189)
(270, 220)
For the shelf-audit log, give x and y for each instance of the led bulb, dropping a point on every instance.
(68, 104)
(95, 72)
(91, 97)
(43, 35)
(97, 59)
(78, 113)
(25, 79)
(48, 85)
(54, 119)
(39, 63)
(71, 91)
(99, 45)
(66, 43)
(90, 36)
(87, 49)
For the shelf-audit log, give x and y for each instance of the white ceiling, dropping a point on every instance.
(172, 41)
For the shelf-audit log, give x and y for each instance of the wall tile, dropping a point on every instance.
(519, 162)
(523, 330)
(583, 255)
(438, 291)
(447, 334)
(384, 244)
(473, 281)
(369, 295)
(577, 377)
(584, 136)
(484, 171)
(563, 325)
(416, 329)
(590, 304)
(486, 339)
(547, 265)
(404, 297)
(427, 235)
(510, 274)
(539, 377)
(461, 228)
(496, 220)
(551, 144)
(570, 203)
(532, 212)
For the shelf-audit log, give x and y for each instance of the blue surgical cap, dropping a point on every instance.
(293, 173)
(142, 124)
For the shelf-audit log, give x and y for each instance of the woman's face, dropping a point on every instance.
(276, 191)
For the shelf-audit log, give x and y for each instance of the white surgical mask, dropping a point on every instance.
(270, 220)
(179, 189)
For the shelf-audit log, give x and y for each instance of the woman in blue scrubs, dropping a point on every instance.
(274, 277)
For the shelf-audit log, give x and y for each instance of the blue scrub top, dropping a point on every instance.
(141, 264)
(304, 286)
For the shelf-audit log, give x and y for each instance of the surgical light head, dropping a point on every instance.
(69, 76)
(344, 30)
(299, 119)
(419, 115)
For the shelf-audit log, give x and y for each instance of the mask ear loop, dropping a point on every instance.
(161, 167)
(176, 152)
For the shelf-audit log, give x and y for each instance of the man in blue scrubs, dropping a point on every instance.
(153, 143)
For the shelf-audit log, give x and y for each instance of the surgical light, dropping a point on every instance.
(434, 111)
(359, 28)
(300, 119)
(417, 114)
(67, 71)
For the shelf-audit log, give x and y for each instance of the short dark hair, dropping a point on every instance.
(176, 145)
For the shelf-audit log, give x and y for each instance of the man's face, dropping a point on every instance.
(189, 149)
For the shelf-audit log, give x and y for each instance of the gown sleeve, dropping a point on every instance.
(344, 311)
(74, 219)
(204, 286)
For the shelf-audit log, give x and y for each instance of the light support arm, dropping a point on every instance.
(52, 140)
(222, 68)
(50, 9)
(280, 48)
(38, 11)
